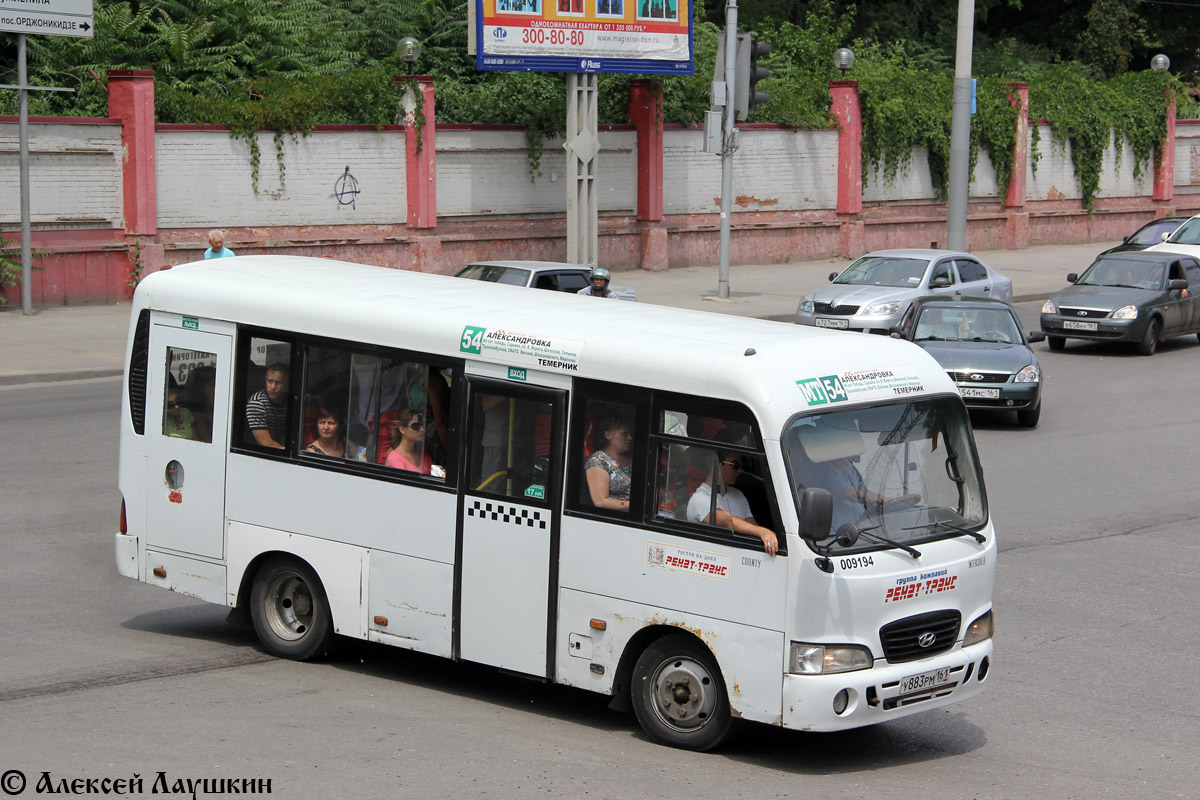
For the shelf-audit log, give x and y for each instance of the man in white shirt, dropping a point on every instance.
(732, 509)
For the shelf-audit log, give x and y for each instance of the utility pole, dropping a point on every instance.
(960, 130)
(727, 146)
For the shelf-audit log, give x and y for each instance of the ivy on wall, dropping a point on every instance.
(1090, 115)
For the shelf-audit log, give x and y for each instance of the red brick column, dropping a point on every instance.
(645, 112)
(1164, 174)
(1018, 97)
(131, 100)
(845, 109)
(420, 145)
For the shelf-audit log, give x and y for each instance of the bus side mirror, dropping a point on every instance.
(816, 514)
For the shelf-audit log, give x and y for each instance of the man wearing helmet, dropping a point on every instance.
(599, 284)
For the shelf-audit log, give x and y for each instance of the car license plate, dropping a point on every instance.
(926, 680)
(1075, 325)
(970, 391)
(822, 322)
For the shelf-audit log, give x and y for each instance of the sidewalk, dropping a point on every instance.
(72, 342)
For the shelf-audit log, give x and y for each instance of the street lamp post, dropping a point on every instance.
(1160, 63)
(843, 59)
(410, 51)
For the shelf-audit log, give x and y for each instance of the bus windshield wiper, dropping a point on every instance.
(912, 551)
(976, 535)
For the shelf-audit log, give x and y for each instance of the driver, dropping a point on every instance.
(827, 462)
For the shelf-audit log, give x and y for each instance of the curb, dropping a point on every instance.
(55, 377)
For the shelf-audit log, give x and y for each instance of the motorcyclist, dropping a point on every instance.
(599, 281)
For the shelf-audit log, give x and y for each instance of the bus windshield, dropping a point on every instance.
(907, 471)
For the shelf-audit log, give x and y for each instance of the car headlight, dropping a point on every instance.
(881, 309)
(824, 659)
(1048, 308)
(1028, 375)
(806, 306)
(1125, 312)
(980, 630)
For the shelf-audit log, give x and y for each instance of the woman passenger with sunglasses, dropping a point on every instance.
(408, 444)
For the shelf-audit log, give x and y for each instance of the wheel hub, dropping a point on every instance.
(685, 694)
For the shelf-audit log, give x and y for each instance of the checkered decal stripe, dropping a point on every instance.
(498, 512)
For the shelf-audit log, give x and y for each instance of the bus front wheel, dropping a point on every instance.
(679, 695)
(290, 611)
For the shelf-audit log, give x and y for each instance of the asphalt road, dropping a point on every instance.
(1090, 696)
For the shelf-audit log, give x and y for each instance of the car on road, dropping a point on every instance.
(1127, 297)
(874, 292)
(979, 342)
(552, 275)
(1148, 235)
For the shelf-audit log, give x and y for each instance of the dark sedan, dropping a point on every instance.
(1148, 235)
(1127, 297)
(978, 341)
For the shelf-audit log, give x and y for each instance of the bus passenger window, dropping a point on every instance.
(188, 397)
(268, 381)
(608, 462)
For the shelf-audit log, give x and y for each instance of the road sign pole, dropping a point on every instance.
(23, 133)
(727, 146)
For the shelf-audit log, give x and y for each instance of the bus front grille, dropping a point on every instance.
(908, 639)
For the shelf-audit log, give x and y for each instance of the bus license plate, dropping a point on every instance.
(969, 391)
(832, 323)
(1075, 325)
(926, 680)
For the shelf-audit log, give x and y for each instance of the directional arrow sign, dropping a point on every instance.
(48, 17)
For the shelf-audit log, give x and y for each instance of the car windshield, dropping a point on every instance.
(493, 273)
(1126, 272)
(908, 472)
(1187, 233)
(952, 324)
(885, 271)
(1153, 233)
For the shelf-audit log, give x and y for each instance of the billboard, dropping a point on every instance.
(632, 36)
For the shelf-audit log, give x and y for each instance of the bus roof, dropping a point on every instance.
(776, 368)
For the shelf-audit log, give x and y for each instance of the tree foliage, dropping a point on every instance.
(287, 65)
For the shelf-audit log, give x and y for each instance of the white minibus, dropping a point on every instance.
(709, 518)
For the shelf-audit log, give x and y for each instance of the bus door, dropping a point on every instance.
(187, 432)
(509, 518)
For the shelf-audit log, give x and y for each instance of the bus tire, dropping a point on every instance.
(679, 695)
(290, 610)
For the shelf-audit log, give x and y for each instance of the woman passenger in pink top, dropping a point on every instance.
(408, 444)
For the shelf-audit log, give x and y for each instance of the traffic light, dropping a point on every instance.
(749, 73)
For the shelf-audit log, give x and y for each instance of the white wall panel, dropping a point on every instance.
(488, 172)
(204, 179)
(74, 175)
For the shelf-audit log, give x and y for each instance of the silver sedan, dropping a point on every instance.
(873, 293)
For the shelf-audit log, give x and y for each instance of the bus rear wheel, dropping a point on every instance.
(290, 611)
(679, 695)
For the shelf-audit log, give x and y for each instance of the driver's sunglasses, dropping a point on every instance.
(734, 464)
(173, 404)
(416, 425)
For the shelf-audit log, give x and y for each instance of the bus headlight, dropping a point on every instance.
(882, 309)
(980, 630)
(1125, 312)
(824, 659)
